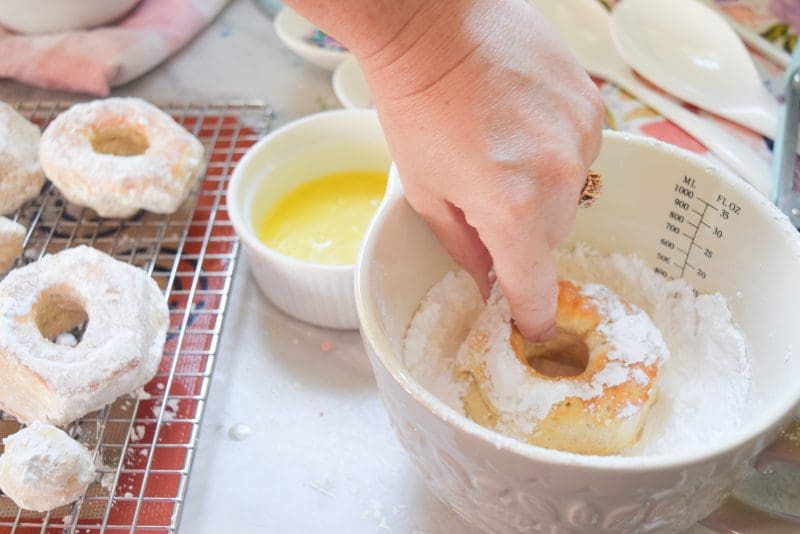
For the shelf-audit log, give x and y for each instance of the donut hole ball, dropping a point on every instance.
(565, 354)
(42, 468)
(119, 141)
(60, 315)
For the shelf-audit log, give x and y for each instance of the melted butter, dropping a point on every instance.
(324, 220)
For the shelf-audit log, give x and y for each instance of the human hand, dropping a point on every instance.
(492, 125)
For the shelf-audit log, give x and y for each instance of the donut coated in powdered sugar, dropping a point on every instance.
(12, 236)
(157, 177)
(628, 336)
(703, 388)
(120, 350)
(602, 409)
(21, 177)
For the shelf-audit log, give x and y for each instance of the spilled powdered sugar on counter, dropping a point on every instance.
(702, 388)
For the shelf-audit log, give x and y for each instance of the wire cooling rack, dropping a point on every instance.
(144, 443)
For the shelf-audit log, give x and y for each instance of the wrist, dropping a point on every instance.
(363, 26)
(434, 42)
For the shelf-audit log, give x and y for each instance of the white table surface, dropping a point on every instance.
(320, 455)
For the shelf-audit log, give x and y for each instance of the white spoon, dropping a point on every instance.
(689, 49)
(584, 25)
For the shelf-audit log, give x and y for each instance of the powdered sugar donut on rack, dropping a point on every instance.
(588, 390)
(125, 319)
(21, 177)
(12, 235)
(42, 468)
(120, 155)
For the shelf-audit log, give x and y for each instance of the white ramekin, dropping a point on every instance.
(300, 151)
(293, 29)
(503, 485)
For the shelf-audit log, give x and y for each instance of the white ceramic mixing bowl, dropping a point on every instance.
(503, 485)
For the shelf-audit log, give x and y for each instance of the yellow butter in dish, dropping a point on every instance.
(324, 220)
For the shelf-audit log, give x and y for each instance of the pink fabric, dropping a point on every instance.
(95, 60)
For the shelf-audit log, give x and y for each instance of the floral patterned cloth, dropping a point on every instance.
(787, 11)
(777, 21)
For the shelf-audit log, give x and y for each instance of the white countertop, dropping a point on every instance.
(320, 455)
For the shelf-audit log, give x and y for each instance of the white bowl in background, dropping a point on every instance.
(293, 29)
(350, 86)
(316, 145)
(50, 16)
(504, 485)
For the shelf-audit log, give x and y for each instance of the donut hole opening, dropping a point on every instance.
(565, 354)
(60, 316)
(119, 141)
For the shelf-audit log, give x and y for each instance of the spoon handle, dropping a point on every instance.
(761, 117)
(783, 192)
(737, 155)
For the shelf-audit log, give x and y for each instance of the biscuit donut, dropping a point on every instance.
(21, 177)
(12, 235)
(42, 468)
(588, 390)
(126, 321)
(120, 155)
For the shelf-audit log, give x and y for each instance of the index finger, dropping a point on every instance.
(520, 243)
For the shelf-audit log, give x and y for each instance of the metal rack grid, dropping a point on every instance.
(144, 442)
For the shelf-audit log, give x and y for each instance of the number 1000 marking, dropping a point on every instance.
(685, 191)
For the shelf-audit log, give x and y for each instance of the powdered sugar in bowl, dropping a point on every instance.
(504, 485)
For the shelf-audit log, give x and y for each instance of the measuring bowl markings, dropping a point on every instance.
(675, 253)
